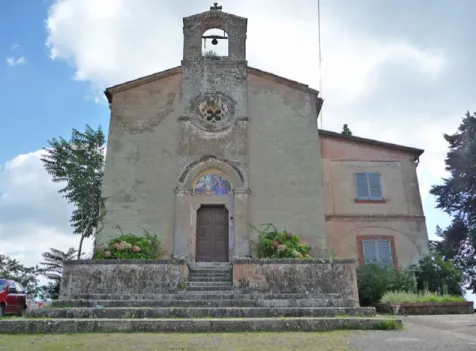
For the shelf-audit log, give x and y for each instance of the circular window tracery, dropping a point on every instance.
(213, 111)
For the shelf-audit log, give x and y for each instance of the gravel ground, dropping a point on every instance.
(435, 333)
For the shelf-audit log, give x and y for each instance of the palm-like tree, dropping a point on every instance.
(52, 268)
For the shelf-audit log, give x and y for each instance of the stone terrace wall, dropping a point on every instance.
(297, 276)
(426, 308)
(122, 277)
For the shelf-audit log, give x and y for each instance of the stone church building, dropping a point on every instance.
(199, 152)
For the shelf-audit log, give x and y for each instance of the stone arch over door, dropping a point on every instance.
(188, 202)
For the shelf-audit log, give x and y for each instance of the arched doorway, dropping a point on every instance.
(211, 212)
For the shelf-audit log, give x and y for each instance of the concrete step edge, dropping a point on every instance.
(200, 295)
(205, 302)
(212, 283)
(56, 326)
(199, 312)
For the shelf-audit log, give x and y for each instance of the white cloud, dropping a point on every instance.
(14, 47)
(12, 61)
(33, 216)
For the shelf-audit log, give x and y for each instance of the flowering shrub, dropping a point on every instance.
(280, 244)
(130, 246)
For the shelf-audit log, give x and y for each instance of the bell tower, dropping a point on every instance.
(213, 126)
(233, 28)
(214, 91)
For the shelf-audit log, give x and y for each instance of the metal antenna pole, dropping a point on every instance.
(320, 56)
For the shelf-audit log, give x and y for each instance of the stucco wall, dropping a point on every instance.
(141, 164)
(410, 236)
(400, 215)
(285, 171)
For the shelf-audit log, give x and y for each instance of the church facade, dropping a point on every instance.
(200, 152)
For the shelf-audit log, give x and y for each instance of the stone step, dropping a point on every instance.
(56, 326)
(208, 303)
(211, 274)
(211, 271)
(200, 312)
(210, 279)
(208, 287)
(210, 265)
(204, 295)
(216, 284)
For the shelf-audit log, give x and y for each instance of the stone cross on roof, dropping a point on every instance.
(216, 7)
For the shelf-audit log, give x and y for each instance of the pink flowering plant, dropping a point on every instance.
(129, 246)
(275, 244)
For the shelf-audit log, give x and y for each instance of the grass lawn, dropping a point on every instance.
(400, 297)
(320, 341)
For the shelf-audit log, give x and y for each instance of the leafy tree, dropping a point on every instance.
(457, 197)
(433, 273)
(346, 130)
(52, 268)
(374, 280)
(79, 164)
(14, 270)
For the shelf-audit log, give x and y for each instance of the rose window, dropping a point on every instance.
(213, 109)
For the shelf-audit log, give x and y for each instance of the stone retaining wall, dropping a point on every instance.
(297, 276)
(426, 308)
(122, 277)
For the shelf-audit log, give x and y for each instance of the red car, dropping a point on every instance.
(12, 298)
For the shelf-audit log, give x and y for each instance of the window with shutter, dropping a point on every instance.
(368, 186)
(370, 251)
(377, 252)
(384, 253)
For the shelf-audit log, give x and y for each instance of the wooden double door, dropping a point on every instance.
(212, 234)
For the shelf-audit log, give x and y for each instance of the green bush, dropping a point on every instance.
(434, 274)
(401, 296)
(374, 281)
(130, 246)
(280, 244)
(402, 279)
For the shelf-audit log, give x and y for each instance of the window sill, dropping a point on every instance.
(370, 201)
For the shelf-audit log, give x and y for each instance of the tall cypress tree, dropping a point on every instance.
(457, 197)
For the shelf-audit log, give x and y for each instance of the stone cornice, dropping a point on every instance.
(241, 191)
(112, 261)
(374, 218)
(183, 191)
(294, 261)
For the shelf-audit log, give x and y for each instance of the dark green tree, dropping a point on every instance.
(433, 273)
(79, 165)
(52, 268)
(457, 197)
(14, 270)
(346, 130)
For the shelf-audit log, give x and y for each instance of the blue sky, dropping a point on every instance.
(39, 99)
(400, 72)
